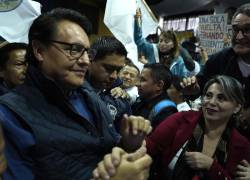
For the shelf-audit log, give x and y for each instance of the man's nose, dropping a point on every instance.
(239, 35)
(213, 100)
(127, 76)
(84, 59)
(25, 68)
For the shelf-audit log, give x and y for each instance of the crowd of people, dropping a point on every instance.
(75, 110)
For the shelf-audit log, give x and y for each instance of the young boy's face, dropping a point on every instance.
(147, 87)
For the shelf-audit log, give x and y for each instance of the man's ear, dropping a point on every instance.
(38, 49)
(137, 81)
(160, 84)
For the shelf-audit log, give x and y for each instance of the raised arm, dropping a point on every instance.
(189, 62)
(145, 48)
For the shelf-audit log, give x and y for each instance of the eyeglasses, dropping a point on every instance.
(245, 29)
(74, 51)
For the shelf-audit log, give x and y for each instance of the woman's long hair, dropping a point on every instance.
(174, 52)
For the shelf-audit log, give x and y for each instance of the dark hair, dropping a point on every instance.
(230, 12)
(160, 72)
(174, 52)
(194, 39)
(131, 64)
(128, 61)
(107, 45)
(231, 87)
(243, 9)
(6, 49)
(45, 27)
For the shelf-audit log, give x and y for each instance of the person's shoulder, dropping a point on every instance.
(20, 94)
(6, 114)
(240, 144)
(218, 61)
(9, 95)
(179, 59)
(189, 114)
(185, 117)
(222, 55)
(119, 102)
(122, 102)
(90, 92)
(226, 51)
(163, 104)
(239, 138)
(87, 87)
(3, 89)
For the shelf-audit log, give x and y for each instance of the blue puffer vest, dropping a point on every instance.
(68, 147)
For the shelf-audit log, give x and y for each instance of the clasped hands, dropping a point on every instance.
(120, 165)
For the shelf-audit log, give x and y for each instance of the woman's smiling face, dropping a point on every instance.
(216, 106)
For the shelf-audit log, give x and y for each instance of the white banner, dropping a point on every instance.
(119, 18)
(16, 16)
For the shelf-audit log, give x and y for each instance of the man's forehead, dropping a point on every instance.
(17, 55)
(72, 33)
(18, 52)
(146, 71)
(114, 60)
(130, 69)
(112, 65)
(241, 19)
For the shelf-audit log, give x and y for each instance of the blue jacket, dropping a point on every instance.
(117, 106)
(3, 88)
(143, 45)
(51, 136)
(225, 62)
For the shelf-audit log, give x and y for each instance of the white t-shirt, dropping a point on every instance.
(133, 93)
(244, 68)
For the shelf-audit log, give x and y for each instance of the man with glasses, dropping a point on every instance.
(103, 74)
(233, 61)
(55, 125)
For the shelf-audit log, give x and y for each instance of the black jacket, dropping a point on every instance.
(225, 63)
(143, 107)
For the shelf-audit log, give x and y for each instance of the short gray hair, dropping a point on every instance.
(231, 87)
(243, 9)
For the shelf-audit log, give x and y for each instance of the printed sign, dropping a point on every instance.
(228, 36)
(212, 31)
